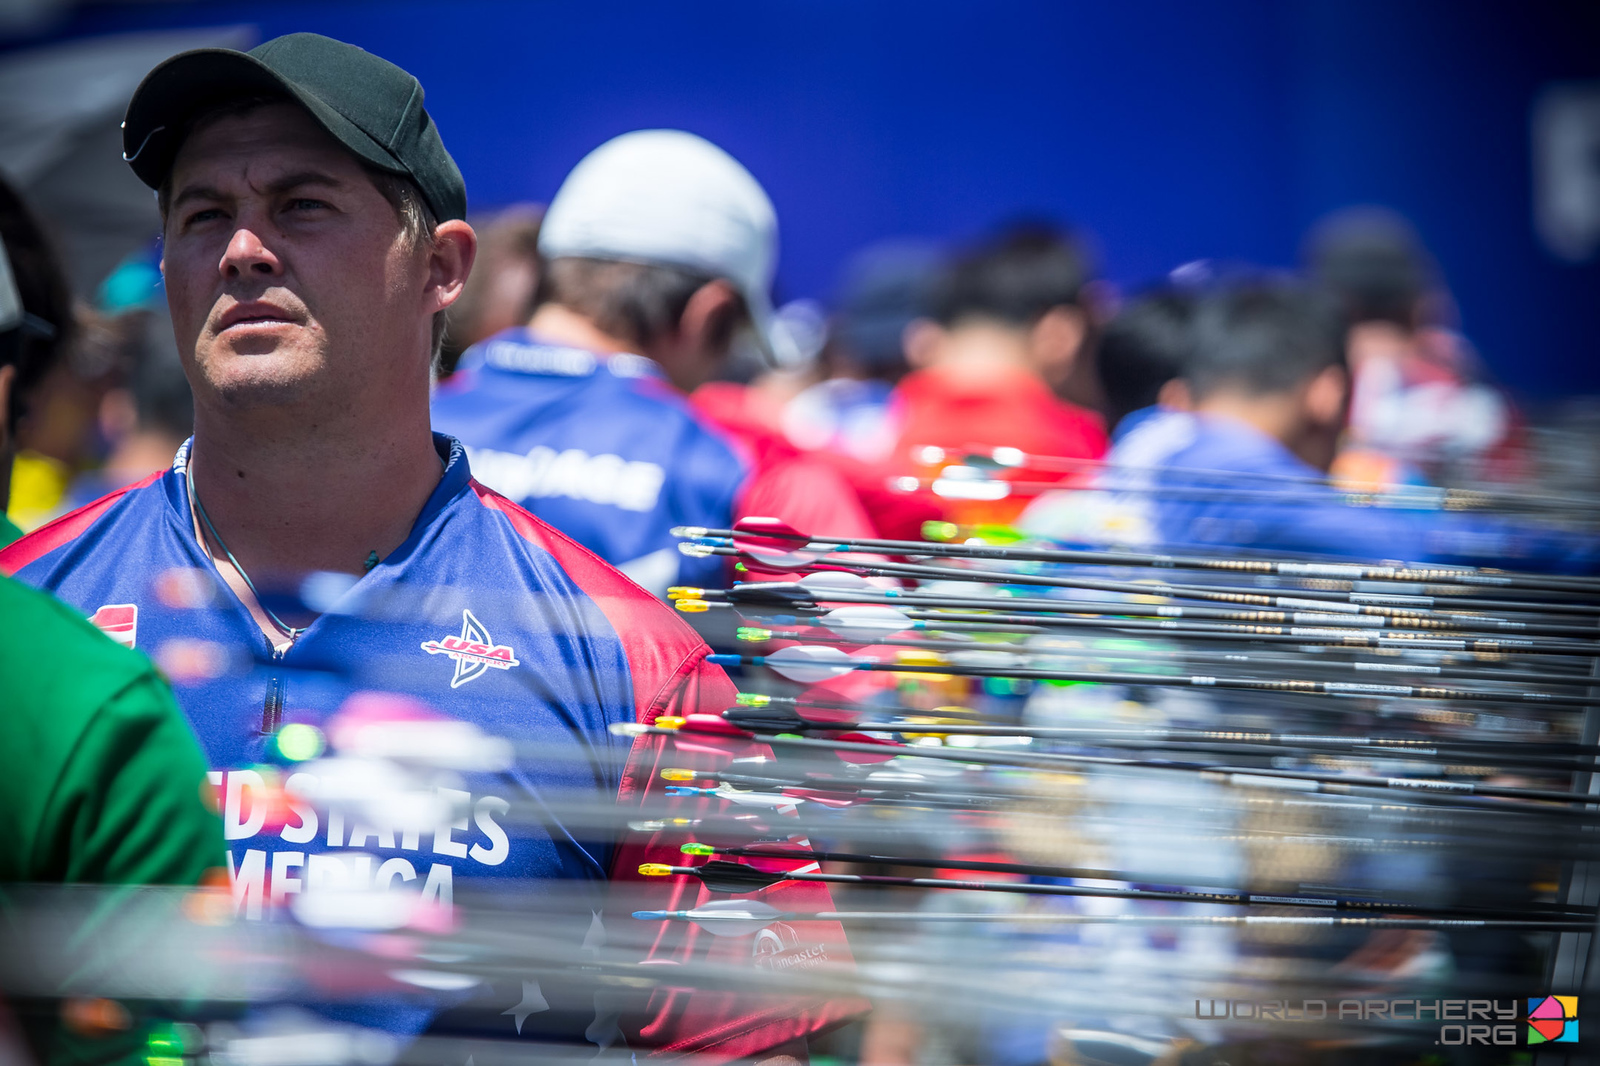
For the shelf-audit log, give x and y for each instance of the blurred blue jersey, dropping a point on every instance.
(1306, 515)
(601, 447)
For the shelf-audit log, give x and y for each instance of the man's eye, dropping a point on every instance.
(302, 203)
(203, 216)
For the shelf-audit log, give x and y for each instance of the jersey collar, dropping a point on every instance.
(457, 475)
(521, 351)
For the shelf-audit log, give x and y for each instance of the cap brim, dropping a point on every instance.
(189, 83)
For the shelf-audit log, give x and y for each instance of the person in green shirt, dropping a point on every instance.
(35, 325)
(100, 778)
(101, 782)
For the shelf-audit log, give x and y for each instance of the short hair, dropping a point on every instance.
(1263, 337)
(1373, 263)
(1014, 278)
(417, 220)
(43, 288)
(508, 246)
(641, 303)
(1145, 346)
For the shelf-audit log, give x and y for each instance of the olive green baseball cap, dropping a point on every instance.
(368, 104)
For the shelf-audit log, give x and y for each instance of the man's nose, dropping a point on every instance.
(247, 254)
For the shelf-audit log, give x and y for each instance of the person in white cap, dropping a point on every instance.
(658, 251)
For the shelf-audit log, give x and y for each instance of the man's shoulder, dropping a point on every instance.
(87, 523)
(635, 614)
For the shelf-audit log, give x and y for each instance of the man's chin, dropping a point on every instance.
(246, 381)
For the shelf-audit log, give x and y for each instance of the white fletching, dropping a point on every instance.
(866, 622)
(734, 917)
(810, 663)
(834, 579)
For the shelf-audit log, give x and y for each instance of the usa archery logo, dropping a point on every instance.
(474, 651)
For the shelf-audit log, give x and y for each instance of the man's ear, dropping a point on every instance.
(455, 246)
(1056, 340)
(1175, 396)
(1326, 394)
(706, 325)
(921, 340)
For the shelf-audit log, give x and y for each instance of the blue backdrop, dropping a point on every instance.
(1168, 130)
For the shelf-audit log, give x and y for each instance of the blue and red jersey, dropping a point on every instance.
(599, 446)
(484, 614)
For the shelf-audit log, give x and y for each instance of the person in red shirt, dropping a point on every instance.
(1008, 328)
(785, 482)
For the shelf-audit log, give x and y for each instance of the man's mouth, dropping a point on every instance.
(254, 314)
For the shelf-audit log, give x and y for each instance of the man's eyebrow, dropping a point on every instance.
(195, 192)
(305, 177)
(274, 188)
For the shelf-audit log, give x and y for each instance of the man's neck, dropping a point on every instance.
(1275, 415)
(561, 325)
(980, 349)
(299, 500)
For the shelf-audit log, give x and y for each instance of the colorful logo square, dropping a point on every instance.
(1553, 1020)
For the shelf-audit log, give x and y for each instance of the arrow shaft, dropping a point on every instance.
(1034, 918)
(1393, 745)
(1365, 616)
(1233, 899)
(1222, 595)
(1299, 686)
(1487, 797)
(1344, 571)
(1100, 656)
(1254, 749)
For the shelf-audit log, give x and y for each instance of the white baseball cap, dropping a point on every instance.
(669, 197)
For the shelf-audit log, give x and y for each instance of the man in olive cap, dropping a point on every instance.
(313, 238)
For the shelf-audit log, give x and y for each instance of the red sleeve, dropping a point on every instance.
(52, 535)
(671, 676)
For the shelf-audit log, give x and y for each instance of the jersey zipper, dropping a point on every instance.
(272, 707)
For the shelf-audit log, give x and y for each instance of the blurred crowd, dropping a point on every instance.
(616, 366)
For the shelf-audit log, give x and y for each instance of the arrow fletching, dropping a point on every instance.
(866, 622)
(768, 534)
(810, 663)
(891, 749)
(724, 917)
(823, 580)
(720, 875)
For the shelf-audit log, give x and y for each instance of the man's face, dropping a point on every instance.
(288, 274)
